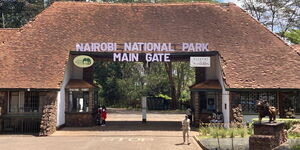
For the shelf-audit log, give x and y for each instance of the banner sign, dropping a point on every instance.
(83, 61)
(200, 61)
(155, 52)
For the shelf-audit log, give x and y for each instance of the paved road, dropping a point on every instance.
(124, 131)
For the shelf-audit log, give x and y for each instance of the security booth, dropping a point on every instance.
(206, 99)
(80, 102)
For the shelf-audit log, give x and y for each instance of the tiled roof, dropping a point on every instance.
(252, 56)
(297, 48)
(5, 33)
(77, 83)
(207, 85)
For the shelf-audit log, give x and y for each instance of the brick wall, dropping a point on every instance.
(80, 119)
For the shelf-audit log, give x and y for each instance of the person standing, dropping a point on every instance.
(103, 115)
(189, 113)
(99, 121)
(186, 129)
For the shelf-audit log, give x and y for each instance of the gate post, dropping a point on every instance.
(144, 109)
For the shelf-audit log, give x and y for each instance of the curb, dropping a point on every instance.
(199, 143)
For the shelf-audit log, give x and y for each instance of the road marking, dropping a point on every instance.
(122, 139)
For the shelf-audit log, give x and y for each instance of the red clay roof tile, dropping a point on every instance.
(252, 56)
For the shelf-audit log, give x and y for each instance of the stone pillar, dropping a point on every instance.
(196, 107)
(91, 100)
(3, 106)
(3, 102)
(267, 136)
(48, 121)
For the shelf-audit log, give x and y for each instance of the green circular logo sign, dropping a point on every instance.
(83, 61)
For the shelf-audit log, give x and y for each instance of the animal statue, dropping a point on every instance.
(264, 109)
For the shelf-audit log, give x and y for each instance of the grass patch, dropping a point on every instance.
(221, 132)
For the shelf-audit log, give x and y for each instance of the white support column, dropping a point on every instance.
(226, 107)
(225, 94)
(144, 109)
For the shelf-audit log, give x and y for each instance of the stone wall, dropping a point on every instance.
(3, 107)
(79, 119)
(48, 120)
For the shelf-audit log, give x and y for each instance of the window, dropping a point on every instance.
(78, 100)
(24, 102)
(248, 100)
(210, 102)
(292, 100)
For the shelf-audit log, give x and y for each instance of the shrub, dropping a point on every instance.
(204, 131)
(214, 133)
(222, 132)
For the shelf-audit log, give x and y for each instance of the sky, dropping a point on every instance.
(237, 2)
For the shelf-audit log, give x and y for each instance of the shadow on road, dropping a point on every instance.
(132, 126)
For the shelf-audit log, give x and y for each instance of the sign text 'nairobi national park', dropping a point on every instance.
(155, 52)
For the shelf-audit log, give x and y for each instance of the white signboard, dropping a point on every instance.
(200, 61)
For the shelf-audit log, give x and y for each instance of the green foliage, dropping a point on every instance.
(123, 84)
(222, 132)
(164, 96)
(293, 36)
(15, 13)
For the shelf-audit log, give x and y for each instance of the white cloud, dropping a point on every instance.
(237, 2)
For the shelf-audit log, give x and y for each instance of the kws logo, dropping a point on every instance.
(83, 61)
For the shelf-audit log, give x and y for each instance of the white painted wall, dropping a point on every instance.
(225, 94)
(211, 72)
(77, 73)
(61, 94)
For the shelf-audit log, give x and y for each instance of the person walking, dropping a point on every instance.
(186, 129)
(103, 116)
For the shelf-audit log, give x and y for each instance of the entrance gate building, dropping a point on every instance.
(38, 78)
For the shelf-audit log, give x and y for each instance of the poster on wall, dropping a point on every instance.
(200, 61)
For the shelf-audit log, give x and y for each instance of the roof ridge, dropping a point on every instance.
(142, 4)
(1, 29)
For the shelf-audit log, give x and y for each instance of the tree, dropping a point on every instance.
(293, 36)
(278, 15)
(180, 75)
(16, 13)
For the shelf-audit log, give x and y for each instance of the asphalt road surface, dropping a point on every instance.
(124, 131)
